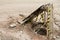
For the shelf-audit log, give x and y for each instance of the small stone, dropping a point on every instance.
(12, 25)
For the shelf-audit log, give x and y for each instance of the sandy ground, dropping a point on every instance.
(12, 8)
